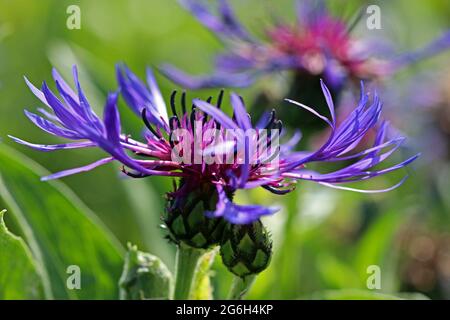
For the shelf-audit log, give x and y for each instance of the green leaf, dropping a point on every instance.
(356, 294)
(335, 272)
(144, 276)
(59, 230)
(20, 277)
(375, 248)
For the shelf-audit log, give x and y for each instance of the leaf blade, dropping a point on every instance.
(60, 230)
(22, 279)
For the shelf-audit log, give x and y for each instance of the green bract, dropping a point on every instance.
(187, 222)
(246, 249)
(144, 276)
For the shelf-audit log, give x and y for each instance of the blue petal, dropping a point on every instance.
(238, 214)
(50, 127)
(53, 147)
(231, 80)
(69, 172)
(435, 47)
(158, 101)
(112, 119)
(226, 25)
(216, 113)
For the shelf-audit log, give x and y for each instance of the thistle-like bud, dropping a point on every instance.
(186, 219)
(144, 276)
(246, 249)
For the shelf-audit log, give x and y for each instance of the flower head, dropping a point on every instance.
(209, 150)
(317, 44)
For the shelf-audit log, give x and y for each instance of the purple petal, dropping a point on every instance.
(38, 93)
(67, 118)
(232, 80)
(262, 122)
(84, 104)
(435, 47)
(65, 87)
(77, 170)
(50, 127)
(225, 26)
(308, 11)
(375, 149)
(243, 121)
(158, 100)
(229, 19)
(139, 97)
(292, 142)
(232, 63)
(130, 99)
(362, 190)
(69, 100)
(238, 214)
(49, 115)
(314, 112)
(241, 114)
(53, 147)
(329, 100)
(112, 119)
(216, 113)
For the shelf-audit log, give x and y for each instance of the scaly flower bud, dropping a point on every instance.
(246, 249)
(186, 219)
(144, 276)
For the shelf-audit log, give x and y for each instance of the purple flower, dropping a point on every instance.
(165, 150)
(318, 44)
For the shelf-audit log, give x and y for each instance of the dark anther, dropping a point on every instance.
(205, 116)
(271, 119)
(148, 124)
(132, 174)
(273, 155)
(219, 105)
(183, 102)
(277, 191)
(174, 185)
(171, 142)
(172, 121)
(219, 99)
(193, 116)
(172, 102)
(278, 125)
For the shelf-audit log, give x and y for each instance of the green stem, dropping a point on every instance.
(186, 266)
(201, 289)
(240, 287)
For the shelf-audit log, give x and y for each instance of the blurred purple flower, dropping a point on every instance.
(71, 117)
(317, 44)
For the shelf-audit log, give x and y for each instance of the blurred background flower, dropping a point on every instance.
(317, 45)
(323, 239)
